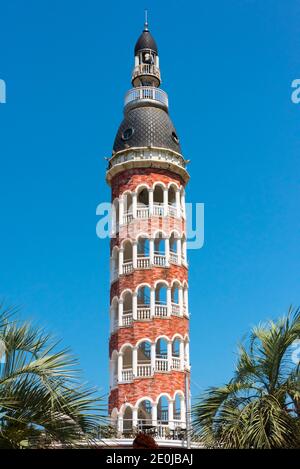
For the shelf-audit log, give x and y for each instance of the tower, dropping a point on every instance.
(149, 314)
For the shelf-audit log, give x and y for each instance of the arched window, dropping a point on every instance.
(173, 243)
(161, 294)
(160, 245)
(143, 295)
(143, 197)
(127, 251)
(143, 247)
(175, 293)
(127, 420)
(176, 347)
(144, 353)
(144, 414)
(177, 407)
(127, 358)
(163, 410)
(158, 195)
(172, 196)
(161, 348)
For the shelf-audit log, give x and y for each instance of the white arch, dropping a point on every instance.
(141, 399)
(177, 282)
(158, 232)
(141, 186)
(174, 183)
(114, 413)
(127, 344)
(163, 394)
(142, 285)
(177, 336)
(181, 393)
(114, 355)
(144, 339)
(165, 337)
(124, 406)
(161, 281)
(127, 290)
(126, 240)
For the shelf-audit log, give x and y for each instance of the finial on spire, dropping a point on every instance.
(146, 21)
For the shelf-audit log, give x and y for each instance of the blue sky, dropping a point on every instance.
(227, 67)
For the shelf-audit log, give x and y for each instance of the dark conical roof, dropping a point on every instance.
(145, 41)
(149, 126)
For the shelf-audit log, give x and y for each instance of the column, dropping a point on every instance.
(120, 366)
(121, 211)
(171, 413)
(180, 300)
(151, 250)
(177, 198)
(183, 204)
(154, 414)
(134, 254)
(134, 361)
(165, 201)
(153, 356)
(169, 355)
(169, 302)
(134, 306)
(186, 301)
(121, 260)
(181, 354)
(120, 423)
(184, 256)
(152, 302)
(178, 241)
(187, 354)
(182, 409)
(120, 312)
(150, 192)
(167, 251)
(134, 204)
(134, 416)
(111, 373)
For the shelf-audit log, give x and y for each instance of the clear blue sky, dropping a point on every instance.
(227, 67)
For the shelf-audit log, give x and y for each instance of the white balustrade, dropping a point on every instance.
(158, 210)
(127, 318)
(161, 364)
(173, 257)
(161, 311)
(142, 212)
(175, 309)
(127, 218)
(175, 363)
(143, 370)
(159, 260)
(172, 210)
(127, 375)
(143, 262)
(143, 312)
(127, 267)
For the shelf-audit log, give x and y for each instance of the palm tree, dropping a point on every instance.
(41, 398)
(260, 406)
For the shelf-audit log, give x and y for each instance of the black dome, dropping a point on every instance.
(145, 41)
(146, 126)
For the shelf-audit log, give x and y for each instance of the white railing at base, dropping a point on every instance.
(143, 262)
(146, 92)
(172, 210)
(127, 218)
(161, 364)
(160, 429)
(127, 319)
(175, 309)
(158, 210)
(161, 311)
(160, 260)
(142, 212)
(173, 257)
(127, 375)
(144, 371)
(127, 267)
(175, 363)
(143, 312)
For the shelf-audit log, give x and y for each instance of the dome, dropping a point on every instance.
(146, 126)
(145, 41)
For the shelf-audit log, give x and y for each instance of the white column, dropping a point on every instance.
(134, 361)
(150, 192)
(177, 197)
(187, 354)
(167, 251)
(121, 260)
(169, 301)
(153, 357)
(111, 373)
(186, 300)
(184, 255)
(120, 423)
(134, 306)
(171, 413)
(169, 355)
(120, 366)
(181, 354)
(178, 241)
(183, 204)
(152, 302)
(120, 312)
(121, 211)
(180, 300)
(182, 409)
(134, 254)
(151, 250)
(134, 204)
(134, 416)
(154, 414)
(165, 201)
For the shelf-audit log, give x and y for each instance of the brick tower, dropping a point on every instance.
(149, 316)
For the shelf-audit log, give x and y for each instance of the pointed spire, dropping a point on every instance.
(146, 21)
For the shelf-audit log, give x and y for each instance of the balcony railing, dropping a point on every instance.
(127, 375)
(143, 262)
(161, 311)
(162, 428)
(161, 364)
(146, 93)
(143, 312)
(143, 371)
(159, 259)
(158, 210)
(175, 309)
(127, 318)
(127, 267)
(173, 257)
(175, 364)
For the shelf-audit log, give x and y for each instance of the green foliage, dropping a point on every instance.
(260, 406)
(41, 398)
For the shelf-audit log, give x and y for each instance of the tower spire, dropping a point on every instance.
(146, 21)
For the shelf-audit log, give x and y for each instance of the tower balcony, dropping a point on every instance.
(143, 70)
(144, 94)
